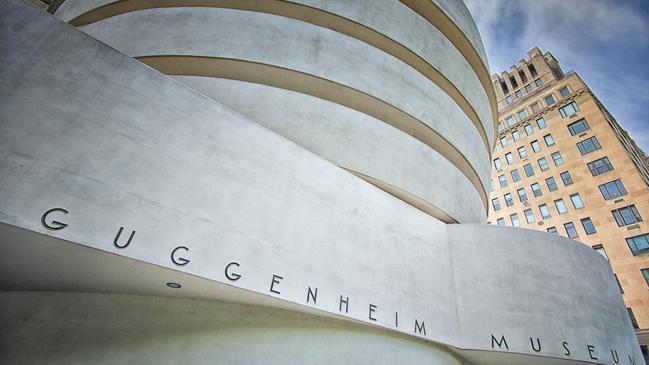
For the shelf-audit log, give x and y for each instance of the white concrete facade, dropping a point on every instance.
(306, 211)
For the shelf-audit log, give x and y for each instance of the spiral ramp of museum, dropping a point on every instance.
(271, 182)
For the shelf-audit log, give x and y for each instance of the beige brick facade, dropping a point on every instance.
(628, 162)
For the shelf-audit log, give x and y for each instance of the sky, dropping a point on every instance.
(605, 41)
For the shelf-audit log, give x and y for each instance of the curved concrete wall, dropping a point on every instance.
(386, 61)
(152, 182)
(155, 330)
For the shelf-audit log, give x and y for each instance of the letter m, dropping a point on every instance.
(420, 328)
(499, 343)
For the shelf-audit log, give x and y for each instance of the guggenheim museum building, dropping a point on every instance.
(271, 182)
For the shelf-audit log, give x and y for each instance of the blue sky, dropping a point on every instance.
(605, 41)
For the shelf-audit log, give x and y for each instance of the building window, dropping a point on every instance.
(508, 200)
(529, 171)
(522, 114)
(496, 204)
(503, 85)
(522, 75)
(521, 195)
(564, 92)
(561, 206)
(569, 110)
(509, 100)
(600, 166)
(500, 127)
(600, 250)
(552, 185)
(529, 216)
(638, 244)
(512, 80)
(632, 317)
(543, 164)
(619, 285)
(515, 221)
(552, 230)
(549, 141)
(549, 100)
(535, 108)
(516, 136)
(545, 211)
(491, 185)
(528, 88)
(502, 180)
(503, 141)
(528, 129)
(579, 126)
(498, 165)
(536, 146)
(558, 160)
(570, 230)
(536, 189)
(510, 120)
(541, 123)
(521, 152)
(566, 178)
(626, 215)
(516, 177)
(588, 225)
(509, 157)
(518, 94)
(500, 221)
(645, 275)
(576, 201)
(612, 189)
(538, 83)
(588, 145)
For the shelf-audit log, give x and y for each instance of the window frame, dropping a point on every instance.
(617, 183)
(572, 199)
(569, 109)
(638, 251)
(522, 197)
(495, 204)
(568, 230)
(581, 122)
(588, 145)
(530, 172)
(543, 215)
(554, 183)
(631, 212)
(554, 158)
(545, 163)
(551, 143)
(529, 218)
(605, 162)
(588, 226)
(551, 98)
(568, 178)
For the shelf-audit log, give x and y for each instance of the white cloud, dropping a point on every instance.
(597, 38)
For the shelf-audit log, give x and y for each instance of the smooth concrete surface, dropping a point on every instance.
(85, 328)
(396, 21)
(352, 140)
(302, 47)
(118, 144)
